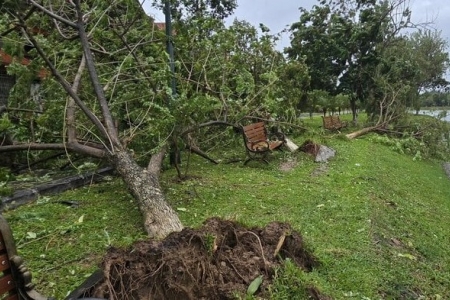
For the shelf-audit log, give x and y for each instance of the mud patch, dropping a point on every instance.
(288, 165)
(216, 261)
(319, 170)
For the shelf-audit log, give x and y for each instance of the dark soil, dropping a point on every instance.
(310, 147)
(216, 261)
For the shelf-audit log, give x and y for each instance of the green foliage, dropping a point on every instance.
(433, 133)
(318, 100)
(185, 9)
(434, 98)
(5, 124)
(254, 285)
(422, 137)
(5, 177)
(408, 145)
(431, 58)
(131, 64)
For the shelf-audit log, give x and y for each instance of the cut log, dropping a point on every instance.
(290, 145)
(361, 132)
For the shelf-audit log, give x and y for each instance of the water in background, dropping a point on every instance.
(435, 113)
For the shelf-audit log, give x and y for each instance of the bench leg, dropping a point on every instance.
(257, 156)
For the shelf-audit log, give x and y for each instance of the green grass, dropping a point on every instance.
(377, 220)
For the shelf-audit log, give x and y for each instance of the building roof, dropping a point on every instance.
(6, 59)
(160, 25)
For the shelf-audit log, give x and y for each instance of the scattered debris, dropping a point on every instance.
(21, 197)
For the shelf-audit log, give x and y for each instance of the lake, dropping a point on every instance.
(435, 113)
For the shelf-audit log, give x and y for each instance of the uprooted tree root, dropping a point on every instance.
(216, 261)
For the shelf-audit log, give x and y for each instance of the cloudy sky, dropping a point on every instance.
(277, 14)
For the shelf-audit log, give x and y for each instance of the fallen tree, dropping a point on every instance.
(389, 109)
(89, 126)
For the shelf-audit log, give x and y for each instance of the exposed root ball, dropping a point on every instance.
(215, 261)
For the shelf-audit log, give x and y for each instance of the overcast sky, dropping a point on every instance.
(277, 14)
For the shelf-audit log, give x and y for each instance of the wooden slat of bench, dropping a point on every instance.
(6, 284)
(4, 262)
(12, 297)
(255, 132)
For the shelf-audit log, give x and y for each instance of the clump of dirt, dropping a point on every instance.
(216, 261)
(310, 147)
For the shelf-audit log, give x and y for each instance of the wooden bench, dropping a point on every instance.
(333, 122)
(257, 142)
(15, 278)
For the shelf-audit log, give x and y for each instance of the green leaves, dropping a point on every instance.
(254, 286)
(31, 235)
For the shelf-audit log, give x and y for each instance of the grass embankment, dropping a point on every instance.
(377, 220)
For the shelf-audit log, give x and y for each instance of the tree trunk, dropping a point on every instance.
(159, 218)
(354, 109)
(361, 132)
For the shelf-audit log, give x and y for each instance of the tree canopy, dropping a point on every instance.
(348, 45)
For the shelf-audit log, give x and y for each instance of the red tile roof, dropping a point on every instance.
(160, 25)
(6, 59)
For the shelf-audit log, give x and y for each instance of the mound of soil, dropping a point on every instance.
(310, 147)
(216, 261)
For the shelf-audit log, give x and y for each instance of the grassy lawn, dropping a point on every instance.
(377, 220)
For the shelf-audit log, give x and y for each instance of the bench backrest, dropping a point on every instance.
(255, 132)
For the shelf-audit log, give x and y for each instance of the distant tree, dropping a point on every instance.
(342, 42)
(428, 53)
(318, 100)
(293, 85)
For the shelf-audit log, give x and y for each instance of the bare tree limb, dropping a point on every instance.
(154, 166)
(11, 29)
(52, 15)
(71, 105)
(71, 146)
(111, 131)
